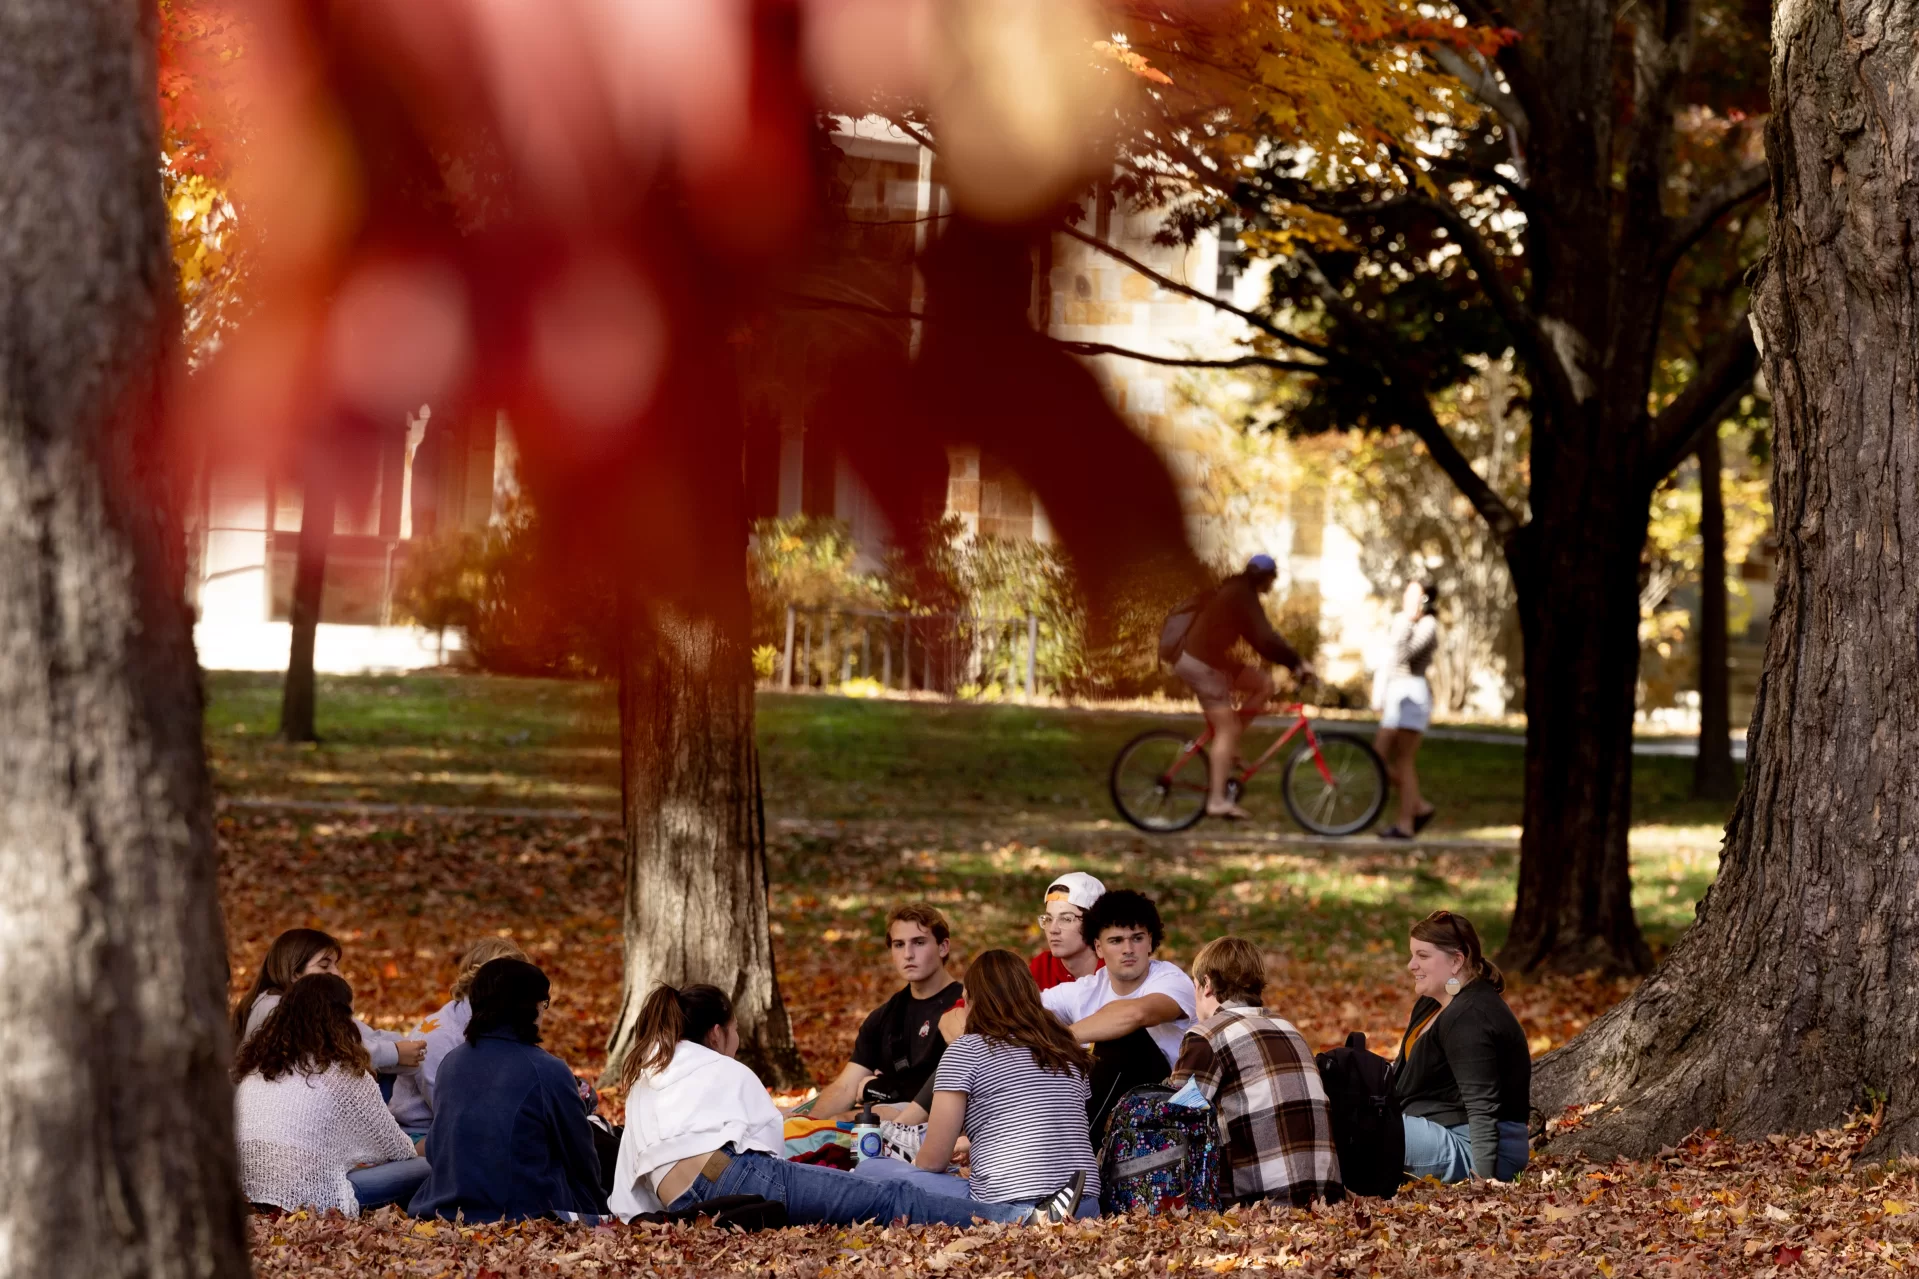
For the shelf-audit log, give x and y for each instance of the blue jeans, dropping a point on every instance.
(1433, 1150)
(388, 1183)
(815, 1195)
(940, 1183)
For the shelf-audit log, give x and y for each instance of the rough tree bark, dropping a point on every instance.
(319, 498)
(115, 1110)
(1791, 999)
(1712, 773)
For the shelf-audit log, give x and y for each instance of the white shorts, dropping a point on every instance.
(1408, 703)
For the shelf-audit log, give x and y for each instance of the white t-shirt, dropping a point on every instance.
(1077, 1000)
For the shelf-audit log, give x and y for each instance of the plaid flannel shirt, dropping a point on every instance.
(1277, 1125)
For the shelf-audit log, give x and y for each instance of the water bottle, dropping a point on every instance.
(866, 1136)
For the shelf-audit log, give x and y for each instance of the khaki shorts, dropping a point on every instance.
(1215, 688)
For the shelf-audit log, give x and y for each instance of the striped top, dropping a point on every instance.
(1027, 1125)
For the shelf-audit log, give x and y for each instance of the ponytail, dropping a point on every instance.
(668, 1017)
(1455, 934)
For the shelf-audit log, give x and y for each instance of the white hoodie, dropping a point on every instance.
(699, 1103)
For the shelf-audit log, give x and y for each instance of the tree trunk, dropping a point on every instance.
(1791, 999)
(116, 1117)
(318, 500)
(696, 874)
(1579, 615)
(696, 881)
(1712, 774)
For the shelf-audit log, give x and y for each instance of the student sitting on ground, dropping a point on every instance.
(302, 952)
(311, 1129)
(700, 1126)
(1067, 957)
(444, 1031)
(509, 1138)
(1134, 1010)
(1015, 1084)
(900, 1042)
(1255, 1068)
(1464, 1076)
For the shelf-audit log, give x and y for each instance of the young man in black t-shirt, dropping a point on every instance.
(900, 1044)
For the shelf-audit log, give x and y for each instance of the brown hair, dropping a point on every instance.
(487, 948)
(1232, 966)
(311, 1030)
(1455, 934)
(669, 1017)
(290, 952)
(1002, 1003)
(925, 914)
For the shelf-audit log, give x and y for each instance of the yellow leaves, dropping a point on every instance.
(1132, 61)
(425, 1229)
(1893, 1208)
(1604, 1267)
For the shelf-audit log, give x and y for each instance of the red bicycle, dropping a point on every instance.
(1333, 783)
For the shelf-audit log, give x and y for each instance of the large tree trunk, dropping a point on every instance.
(1579, 613)
(115, 1111)
(1712, 774)
(1791, 999)
(319, 498)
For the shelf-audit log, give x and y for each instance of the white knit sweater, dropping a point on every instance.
(299, 1136)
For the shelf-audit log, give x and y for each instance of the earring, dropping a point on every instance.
(1452, 986)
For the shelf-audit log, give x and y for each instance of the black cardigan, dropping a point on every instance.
(1471, 1066)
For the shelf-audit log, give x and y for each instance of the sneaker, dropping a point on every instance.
(1061, 1205)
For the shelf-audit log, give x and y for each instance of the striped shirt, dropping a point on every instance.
(1027, 1125)
(1273, 1113)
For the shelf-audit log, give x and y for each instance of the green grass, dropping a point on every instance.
(546, 743)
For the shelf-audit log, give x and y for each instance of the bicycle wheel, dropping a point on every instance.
(1344, 800)
(1158, 781)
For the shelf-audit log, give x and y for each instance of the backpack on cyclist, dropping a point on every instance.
(1179, 624)
(1160, 1156)
(1366, 1124)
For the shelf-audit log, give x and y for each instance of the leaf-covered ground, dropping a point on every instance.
(1704, 1211)
(975, 808)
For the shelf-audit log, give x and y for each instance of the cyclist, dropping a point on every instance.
(1211, 669)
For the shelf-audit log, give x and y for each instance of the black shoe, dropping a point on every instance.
(1393, 832)
(1419, 822)
(1061, 1205)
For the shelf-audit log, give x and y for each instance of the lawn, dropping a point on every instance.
(975, 808)
(868, 803)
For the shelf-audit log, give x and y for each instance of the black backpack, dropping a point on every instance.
(1179, 624)
(1366, 1123)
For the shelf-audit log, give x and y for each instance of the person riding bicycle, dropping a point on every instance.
(1212, 670)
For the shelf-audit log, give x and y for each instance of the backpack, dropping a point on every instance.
(1366, 1123)
(1160, 1156)
(1179, 624)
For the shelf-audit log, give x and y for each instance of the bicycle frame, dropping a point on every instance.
(1302, 724)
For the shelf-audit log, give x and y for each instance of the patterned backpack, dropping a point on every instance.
(1160, 1156)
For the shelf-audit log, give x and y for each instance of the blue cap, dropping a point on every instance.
(1262, 564)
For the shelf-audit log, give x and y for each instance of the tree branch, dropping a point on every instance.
(1256, 320)
(1416, 415)
(1710, 206)
(1191, 362)
(1479, 81)
(1722, 377)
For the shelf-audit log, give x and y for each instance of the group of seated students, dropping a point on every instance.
(1006, 1082)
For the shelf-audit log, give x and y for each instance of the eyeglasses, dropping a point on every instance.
(1064, 921)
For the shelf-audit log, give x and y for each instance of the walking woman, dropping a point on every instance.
(1464, 1075)
(1407, 704)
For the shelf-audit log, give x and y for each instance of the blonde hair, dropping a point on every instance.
(1233, 968)
(477, 955)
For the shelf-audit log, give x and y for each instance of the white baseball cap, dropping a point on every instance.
(1077, 887)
